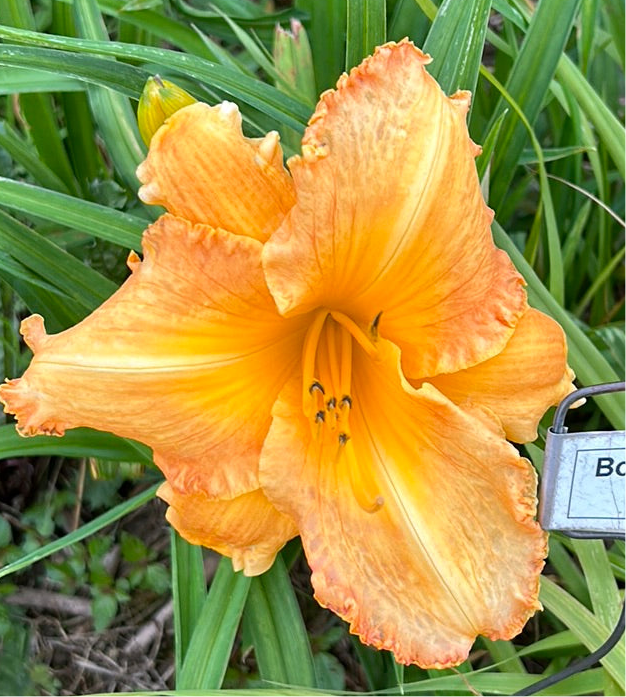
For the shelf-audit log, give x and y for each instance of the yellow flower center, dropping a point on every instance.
(327, 396)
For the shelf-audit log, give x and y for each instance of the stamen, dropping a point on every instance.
(365, 342)
(345, 362)
(331, 346)
(331, 405)
(361, 481)
(320, 417)
(315, 385)
(308, 358)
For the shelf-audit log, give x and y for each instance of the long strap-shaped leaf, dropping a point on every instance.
(281, 645)
(586, 626)
(100, 221)
(84, 531)
(457, 38)
(55, 265)
(539, 56)
(112, 111)
(212, 640)
(188, 591)
(259, 95)
(366, 29)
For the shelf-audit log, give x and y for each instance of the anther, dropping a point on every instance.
(320, 417)
(315, 385)
(346, 401)
(331, 403)
(343, 438)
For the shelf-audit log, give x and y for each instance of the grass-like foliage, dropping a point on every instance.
(547, 79)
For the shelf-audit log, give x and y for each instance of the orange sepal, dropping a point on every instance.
(519, 384)
(248, 529)
(201, 167)
(390, 219)
(454, 550)
(187, 356)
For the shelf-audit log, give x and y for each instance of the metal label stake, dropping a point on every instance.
(582, 495)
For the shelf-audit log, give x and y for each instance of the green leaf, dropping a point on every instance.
(586, 626)
(23, 80)
(280, 640)
(366, 29)
(263, 97)
(77, 443)
(189, 593)
(83, 284)
(456, 40)
(212, 640)
(103, 609)
(112, 111)
(539, 56)
(81, 533)
(100, 221)
(327, 33)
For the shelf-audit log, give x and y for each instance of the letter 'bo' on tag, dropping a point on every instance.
(582, 487)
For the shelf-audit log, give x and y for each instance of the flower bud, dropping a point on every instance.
(159, 100)
(293, 61)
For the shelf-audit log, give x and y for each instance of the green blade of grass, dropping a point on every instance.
(112, 111)
(212, 640)
(84, 153)
(456, 40)
(556, 279)
(280, 640)
(586, 626)
(261, 96)
(81, 533)
(20, 80)
(605, 595)
(38, 109)
(365, 29)
(84, 284)
(25, 156)
(188, 593)
(78, 442)
(327, 33)
(125, 79)
(59, 310)
(100, 221)
(539, 56)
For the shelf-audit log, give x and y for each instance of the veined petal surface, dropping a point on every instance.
(454, 550)
(248, 529)
(187, 357)
(201, 167)
(520, 383)
(390, 218)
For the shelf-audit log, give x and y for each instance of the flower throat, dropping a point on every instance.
(327, 396)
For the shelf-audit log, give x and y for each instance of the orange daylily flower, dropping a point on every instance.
(338, 351)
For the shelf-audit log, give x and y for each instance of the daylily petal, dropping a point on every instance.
(247, 528)
(390, 218)
(454, 550)
(202, 168)
(520, 383)
(187, 357)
